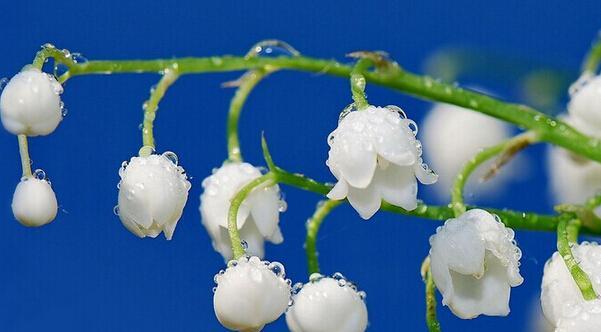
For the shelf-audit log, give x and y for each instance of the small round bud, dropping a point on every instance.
(34, 202)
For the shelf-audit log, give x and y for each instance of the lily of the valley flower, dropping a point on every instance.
(34, 202)
(250, 293)
(258, 216)
(453, 136)
(327, 304)
(475, 262)
(30, 103)
(374, 155)
(585, 105)
(561, 299)
(152, 193)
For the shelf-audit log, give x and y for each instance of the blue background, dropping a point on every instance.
(85, 272)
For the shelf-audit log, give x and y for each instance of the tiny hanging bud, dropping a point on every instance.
(34, 202)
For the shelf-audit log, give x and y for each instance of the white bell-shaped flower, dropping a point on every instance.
(152, 193)
(585, 105)
(34, 202)
(561, 299)
(250, 293)
(258, 216)
(475, 262)
(374, 155)
(327, 304)
(453, 136)
(30, 103)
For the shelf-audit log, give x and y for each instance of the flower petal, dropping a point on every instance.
(365, 201)
(339, 191)
(397, 186)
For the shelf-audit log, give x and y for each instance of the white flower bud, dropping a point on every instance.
(585, 105)
(561, 299)
(453, 136)
(152, 193)
(327, 305)
(250, 294)
(34, 202)
(258, 216)
(475, 262)
(30, 103)
(374, 155)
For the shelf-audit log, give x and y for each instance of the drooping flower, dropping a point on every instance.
(475, 262)
(453, 136)
(30, 103)
(152, 193)
(374, 155)
(585, 105)
(250, 293)
(561, 299)
(258, 216)
(327, 304)
(34, 202)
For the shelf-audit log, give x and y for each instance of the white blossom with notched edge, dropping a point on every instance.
(475, 262)
(561, 299)
(34, 202)
(30, 103)
(327, 305)
(258, 215)
(453, 136)
(374, 155)
(152, 193)
(250, 293)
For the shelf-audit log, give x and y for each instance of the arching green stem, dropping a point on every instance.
(313, 224)
(548, 128)
(151, 106)
(232, 224)
(567, 234)
(24, 152)
(510, 147)
(358, 82)
(431, 320)
(245, 85)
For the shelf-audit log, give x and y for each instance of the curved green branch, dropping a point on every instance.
(151, 106)
(358, 83)
(313, 224)
(509, 148)
(245, 85)
(592, 59)
(567, 234)
(431, 320)
(232, 218)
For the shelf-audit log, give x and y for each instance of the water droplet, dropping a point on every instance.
(171, 156)
(398, 110)
(214, 289)
(60, 69)
(362, 295)
(146, 151)
(78, 58)
(232, 263)
(3, 82)
(346, 111)
(244, 244)
(290, 302)
(272, 47)
(278, 269)
(297, 288)
(314, 277)
(116, 210)
(341, 282)
(282, 206)
(48, 45)
(64, 110)
(413, 126)
(39, 174)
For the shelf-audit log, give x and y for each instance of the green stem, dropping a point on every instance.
(567, 233)
(151, 106)
(592, 59)
(548, 128)
(313, 224)
(247, 84)
(24, 152)
(232, 224)
(513, 219)
(358, 82)
(431, 320)
(510, 146)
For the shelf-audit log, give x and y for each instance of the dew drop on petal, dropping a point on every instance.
(171, 156)
(39, 174)
(116, 210)
(244, 244)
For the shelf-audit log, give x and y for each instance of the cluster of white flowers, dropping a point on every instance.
(30, 105)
